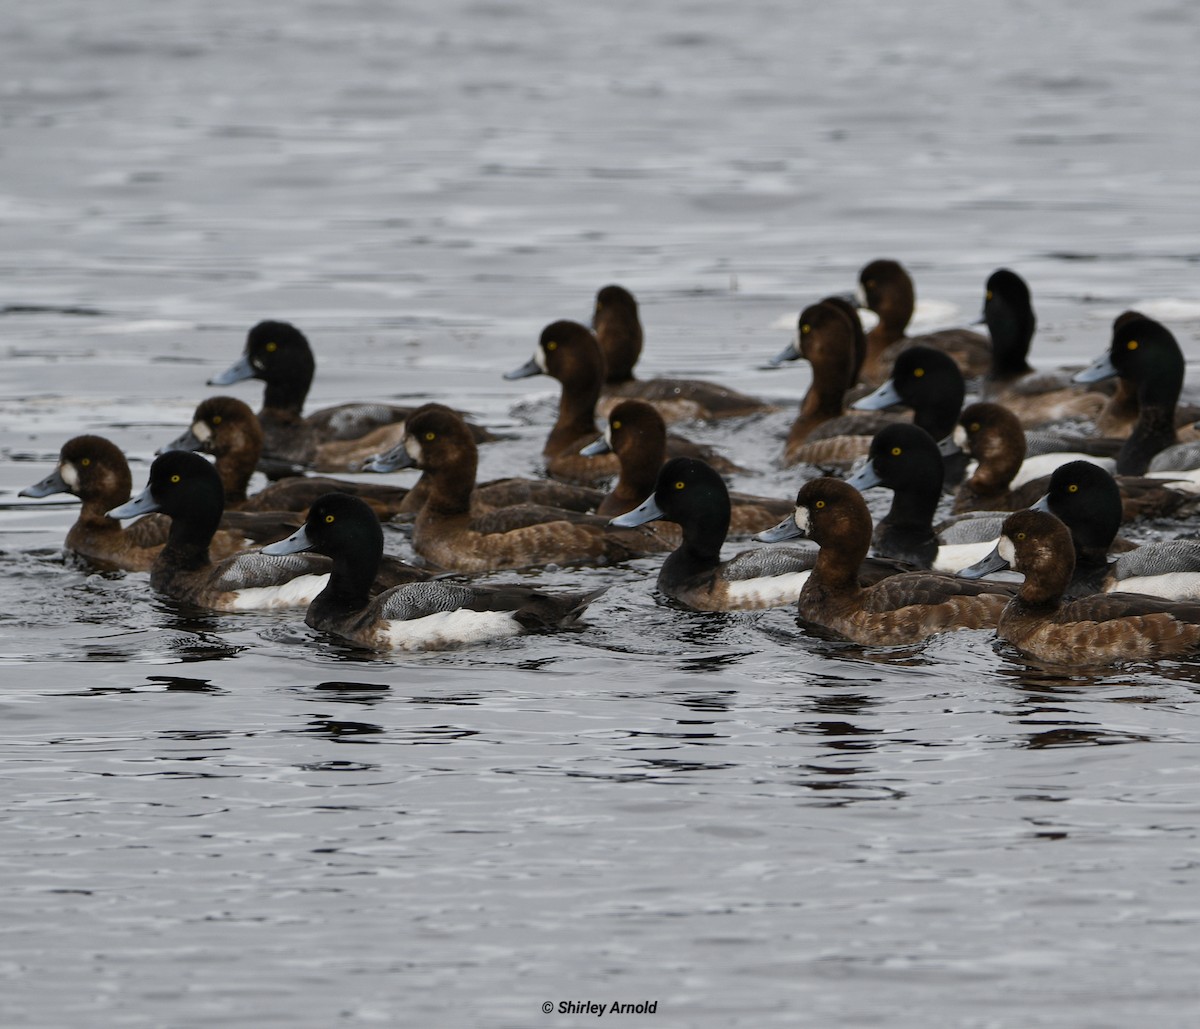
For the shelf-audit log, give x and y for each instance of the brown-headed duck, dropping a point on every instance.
(334, 439)
(887, 289)
(186, 487)
(1098, 629)
(618, 330)
(418, 616)
(899, 610)
(569, 353)
(447, 534)
(93, 469)
(637, 434)
(226, 428)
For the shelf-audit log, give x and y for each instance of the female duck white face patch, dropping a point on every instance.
(412, 447)
(69, 474)
(202, 431)
(960, 438)
(803, 519)
(1007, 551)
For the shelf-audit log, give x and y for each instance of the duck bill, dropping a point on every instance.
(785, 530)
(1099, 370)
(296, 543)
(950, 447)
(393, 461)
(647, 511)
(188, 440)
(864, 478)
(789, 353)
(1043, 504)
(239, 371)
(51, 484)
(992, 563)
(528, 369)
(142, 504)
(884, 397)
(596, 448)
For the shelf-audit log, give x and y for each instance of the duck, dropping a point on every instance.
(637, 434)
(1005, 480)
(226, 428)
(430, 615)
(1036, 398)
(95, 470)
(899, 610)
(447, 534)
(693, 495)
(186, 487)
(905, 459)
(333, 439)
(618, 330)
(1145, 354)
(823, 433)
(886, 288)
(568, 352)
(1099, 629)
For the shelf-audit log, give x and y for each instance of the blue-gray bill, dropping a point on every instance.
(188, 440)
(239, 371)
(985, 566)
(789, 353)
(142, 504)
(864, 478)
(393, 461)
(647, 511)
(596, 448)
(785, 530)
(1099, 370)
(51, 484)
(296, 543)
(529, 368)
(885, 396)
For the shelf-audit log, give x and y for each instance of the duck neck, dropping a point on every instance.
(1155, 427)
(703, 535)
(576, 412)
(998, 466)
(1011, 335)
(235, 466)
(286, 394)
(449, 488)
(349, 586)
(189, 538)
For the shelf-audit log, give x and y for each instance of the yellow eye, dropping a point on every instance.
(329, 519)
(896, 451)
(805, 328)
(86, 461)
(819, 504)
(870, 283)
(988, 295)
(1020, 535)
(918, 372)
(680, 485)
(271, 348)
(216, 420)
(174, 478)
(973, 427)
(552, 345)
(1131, 345)
(1072, 488)
(616, 425)
(430, 436)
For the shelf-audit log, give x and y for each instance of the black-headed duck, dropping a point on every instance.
(93, 469)
(447, 534)
(226, 428)
(827, 335)
(905, 459)
(886, 288)
(569, 353)
(1036, 398)
(1146, 355)
(418, 616)
(333, 439)
(186, 487)
(898, 610)
(1098, 629)
(692, 495)
(618, 330)
(636, 433)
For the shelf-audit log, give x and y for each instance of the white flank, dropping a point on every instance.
(69, 473)
(767, 590)
(1172, 585)
(1044, 464)
(448, 629)
(1186, 481)
(961, 555)
(297, 592)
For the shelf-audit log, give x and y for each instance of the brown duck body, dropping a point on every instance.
(900, 609)
(618, 329)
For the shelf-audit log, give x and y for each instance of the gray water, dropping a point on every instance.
(230, 820)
